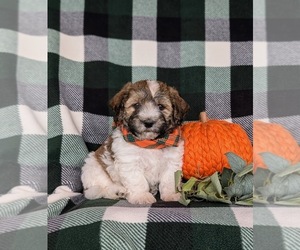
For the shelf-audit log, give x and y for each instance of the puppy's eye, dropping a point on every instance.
(136, 105)
(161, 107)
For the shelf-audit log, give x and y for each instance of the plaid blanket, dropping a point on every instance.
(23, 129)
(203, 48)
(276, 63)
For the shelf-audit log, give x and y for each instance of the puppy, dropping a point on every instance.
(144, 150)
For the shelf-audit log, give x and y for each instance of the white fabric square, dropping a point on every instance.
(126, 214)
(71, 121)
(217, 54)
(33, 47)
(260, 55)
(72, 47)
(33, 122)
(286, 216)
(144, 53)
(244, 216)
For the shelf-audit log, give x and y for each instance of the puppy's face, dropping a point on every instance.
(149, 109)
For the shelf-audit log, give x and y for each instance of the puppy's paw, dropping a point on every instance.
(117, 191)
(112, 192)
(141, 198)
(170, 197)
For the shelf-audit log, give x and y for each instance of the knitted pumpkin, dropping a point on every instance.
(273, 138)
(207, 141)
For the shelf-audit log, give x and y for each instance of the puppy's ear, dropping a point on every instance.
(180, 106)
(118, 101)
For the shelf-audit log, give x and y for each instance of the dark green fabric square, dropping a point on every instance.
(8, 93)
(118, 76)
(218, 237)
(168, 8)
(267, 237)
(95, 6)
(54, 167)
(192, 29)
(169, 235)
(241, 29)
(168, 29)
(96, 74)
(120, 27)
(9, 167)
(54, 15)
(241, 77)
(241, 9)
(192, 9)
(95, 24)
(169, 76)
(53, 80)
(120, 7)
(95, 101)
(8, 66)
(67, 239)
(192, 80)
(25, 239)
(241, 103)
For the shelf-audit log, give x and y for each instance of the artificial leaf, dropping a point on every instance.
(217, 198)
(248, 169)
(247, 184)
(189, 184)
(216, 182)
(178, 179)
(290, 170)
(236, 163)
(246, 197)
(293, 184)
(226, 177)
(275, 163)
(291, 202)
(259, 199)
(183, 200)
(246, 202)
(261, 177)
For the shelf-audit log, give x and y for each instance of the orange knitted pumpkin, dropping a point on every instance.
(207, 141)
(273, 138)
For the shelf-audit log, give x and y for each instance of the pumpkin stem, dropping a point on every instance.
(203, 117)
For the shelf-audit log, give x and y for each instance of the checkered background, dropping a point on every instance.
(23, 95)
(203, 48)
(276, 61)
(23, 119)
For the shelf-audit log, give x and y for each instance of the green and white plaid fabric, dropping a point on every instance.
(203, 48)
(276, 61)
(23, 129)
(108, 224)
(23, 95)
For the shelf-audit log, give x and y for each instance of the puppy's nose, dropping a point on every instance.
(148, 124)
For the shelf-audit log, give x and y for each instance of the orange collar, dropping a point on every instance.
(169, 140)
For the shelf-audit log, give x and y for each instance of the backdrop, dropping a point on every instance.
(203, 48)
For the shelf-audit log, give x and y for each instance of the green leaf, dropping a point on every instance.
(262, 177)
(189, 184)
(226, 177)
(178, 179)
(289, 170)
(275, 163)
(246, 202)
(291, 202)
(183, 200)
(237, 164)
(216, 183)
(248, 169)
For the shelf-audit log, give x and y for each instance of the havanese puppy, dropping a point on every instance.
(144, 150)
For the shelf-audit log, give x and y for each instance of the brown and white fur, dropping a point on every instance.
(118, 169)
